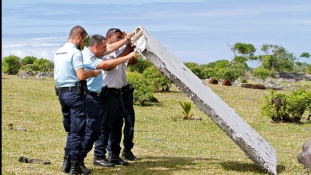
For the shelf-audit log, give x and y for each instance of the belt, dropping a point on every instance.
(128, 88)
(115, 91)
(67, 89)
(94, 94)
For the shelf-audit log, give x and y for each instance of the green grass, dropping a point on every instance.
(164, 142)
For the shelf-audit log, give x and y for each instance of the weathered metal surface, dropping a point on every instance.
(253, 145)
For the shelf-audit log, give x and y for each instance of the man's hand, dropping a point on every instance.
(94, 73)
(127, 36)
(132, 57)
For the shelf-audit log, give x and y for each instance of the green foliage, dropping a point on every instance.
(228, 74)
(186, 109)
(305, 54)
(261, 73)
(286, 107)
(296, 104)
(207, 72)
(275, 106)
(43, 64)
(308, 69)
(244, 49)
(140, 66)
(157, 80)
(28, 60)
(143, 89)
(86, 42)
(30, 68)
(202, 71)
(11, 64)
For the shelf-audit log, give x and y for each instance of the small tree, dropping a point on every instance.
(261, 73)
(186, 108)
(11, 64)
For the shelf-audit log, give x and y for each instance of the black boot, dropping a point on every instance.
(84, 169)
(102, 161)
(66, 164)
(127, 154)
(75, 168)
(117, 160)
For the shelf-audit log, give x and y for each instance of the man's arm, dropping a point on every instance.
(114, 46)
(85, 74)
(112, 63)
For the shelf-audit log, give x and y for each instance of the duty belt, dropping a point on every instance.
(127, 89)
(115, 91)
(67, 89)
(94, 94)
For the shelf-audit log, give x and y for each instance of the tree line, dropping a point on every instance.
(147, 80)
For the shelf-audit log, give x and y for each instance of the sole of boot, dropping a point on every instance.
(98, 165)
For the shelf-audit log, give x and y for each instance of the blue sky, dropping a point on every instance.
(193, 30)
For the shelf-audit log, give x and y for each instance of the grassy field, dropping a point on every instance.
(166, 144)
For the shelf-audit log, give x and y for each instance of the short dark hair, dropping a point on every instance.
(96, 39)
(75, 31)
(111, 31)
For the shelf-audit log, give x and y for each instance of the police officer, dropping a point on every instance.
(70, 78)
(114, 111)
(127, 96)
(92, 60)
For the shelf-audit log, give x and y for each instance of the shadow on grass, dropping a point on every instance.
(172, 165)
(156, 165)
(246, 167)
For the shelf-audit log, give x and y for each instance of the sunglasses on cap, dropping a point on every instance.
(116, 30)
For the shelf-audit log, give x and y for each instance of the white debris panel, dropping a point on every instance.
(253, 145)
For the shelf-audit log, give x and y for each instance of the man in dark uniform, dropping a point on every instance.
(113, 107)
(71, 89)
(92, 60)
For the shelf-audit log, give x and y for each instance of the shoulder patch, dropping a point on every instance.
(93, 58)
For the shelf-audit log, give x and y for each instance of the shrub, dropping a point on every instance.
(286, 108)
(261, 73)
(143, 90)
(43, 64)
(157, 80)
(28, 60)
(11, 64)
(140, 66)
(308, 69)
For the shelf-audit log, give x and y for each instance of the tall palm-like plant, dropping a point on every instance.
(186, 106)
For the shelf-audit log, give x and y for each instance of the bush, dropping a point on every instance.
(44, 65)
(143, 90)
(11, 64)
(140, 66)
(308, 69)
(286, 108)
(28, 60)
(157, 80)
(261, 73)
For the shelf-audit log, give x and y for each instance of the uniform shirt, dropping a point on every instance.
(94, 84)
(67, 60)
(116, 77)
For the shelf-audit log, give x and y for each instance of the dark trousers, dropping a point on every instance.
(129, 120)
(74, 114)
(93, 122)
(112, 122)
